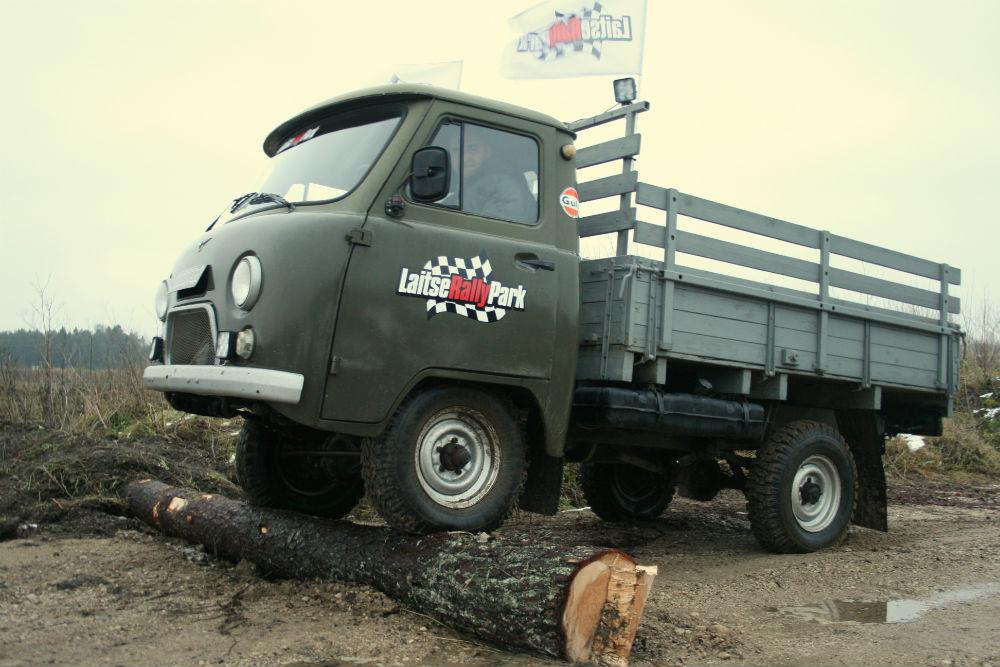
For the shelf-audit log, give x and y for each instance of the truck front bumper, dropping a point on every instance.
(229, 381)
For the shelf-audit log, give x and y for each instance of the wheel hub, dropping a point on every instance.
(815, 493)
(454, 456)
(810, 492)
(457, 458)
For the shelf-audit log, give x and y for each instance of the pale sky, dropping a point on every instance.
(131, 124)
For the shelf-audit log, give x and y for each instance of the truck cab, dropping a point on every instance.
(409, 246)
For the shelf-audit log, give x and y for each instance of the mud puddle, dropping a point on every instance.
(886, 611)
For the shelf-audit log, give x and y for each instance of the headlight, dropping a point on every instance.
(161, 301)
(246, 281)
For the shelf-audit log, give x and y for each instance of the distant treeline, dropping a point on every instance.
(102, 347)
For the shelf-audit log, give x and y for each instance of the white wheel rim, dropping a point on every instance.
(447, 439)
(816, 493)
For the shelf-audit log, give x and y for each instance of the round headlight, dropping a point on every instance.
(161, 301)
(246, 281)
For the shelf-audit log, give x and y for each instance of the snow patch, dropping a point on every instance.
(913, 442)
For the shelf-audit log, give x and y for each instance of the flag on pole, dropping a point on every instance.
(445, 75)
(563, 38)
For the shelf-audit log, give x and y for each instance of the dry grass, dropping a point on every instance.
(971, 439)
(71, 439)
(109, 403)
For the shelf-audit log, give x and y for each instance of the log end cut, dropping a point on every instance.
(604, 605)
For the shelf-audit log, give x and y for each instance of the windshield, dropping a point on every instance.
(327, 159)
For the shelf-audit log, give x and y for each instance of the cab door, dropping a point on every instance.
(467, 283)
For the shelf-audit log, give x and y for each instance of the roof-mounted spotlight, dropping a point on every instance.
(625, 91)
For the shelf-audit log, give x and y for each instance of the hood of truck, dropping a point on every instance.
(303, 256)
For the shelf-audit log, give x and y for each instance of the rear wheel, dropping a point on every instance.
(285, 471)
(800, 493)
(453, 458)
(618, 492)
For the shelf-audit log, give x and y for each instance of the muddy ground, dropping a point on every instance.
(91, 587)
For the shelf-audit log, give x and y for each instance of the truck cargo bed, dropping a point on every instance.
(842, 339)
(625, 333)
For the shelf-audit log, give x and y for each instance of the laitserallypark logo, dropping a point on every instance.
(461, 286)
(588, 29)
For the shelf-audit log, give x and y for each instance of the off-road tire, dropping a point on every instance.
(257, 452)
(771, 480)
(618, 492)
(390, 463)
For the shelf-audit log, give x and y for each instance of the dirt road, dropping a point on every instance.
(131, 597)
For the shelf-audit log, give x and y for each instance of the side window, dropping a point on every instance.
(494, 173)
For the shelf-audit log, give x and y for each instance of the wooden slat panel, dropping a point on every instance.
(616, 149)
(902, 375)
(594, 312)
(715, 280)
(605, 223)
(705, 302)
(729, 216)
(712, 280)
(718, 348)
(733, 253)
(806, 322)
(651, 195)
(806, 342)
(707, 325)
(649, 234)
(737, 218)
(594, 292)
(891, 259)
(906, 358)
(607, 186)
(890, 290)
(607, 116)
(913, 341)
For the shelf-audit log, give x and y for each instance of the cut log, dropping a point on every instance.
(581, 604)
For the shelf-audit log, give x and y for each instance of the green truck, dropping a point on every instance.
(401, 309)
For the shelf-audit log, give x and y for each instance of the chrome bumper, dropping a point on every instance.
(230, 381)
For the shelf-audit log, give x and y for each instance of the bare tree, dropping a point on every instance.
(42, 315)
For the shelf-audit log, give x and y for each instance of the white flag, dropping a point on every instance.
(445, 75)
(562, 38)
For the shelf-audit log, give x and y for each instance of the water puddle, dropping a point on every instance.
(886, 611)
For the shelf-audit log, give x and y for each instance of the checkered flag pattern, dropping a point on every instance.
(477, 267)
(596, 45)
(559, 50)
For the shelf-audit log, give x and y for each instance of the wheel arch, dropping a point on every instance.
(545, 447)
(524, 393)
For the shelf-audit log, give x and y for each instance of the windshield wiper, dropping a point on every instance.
(259, 198)
(241, 201)
(263, 197)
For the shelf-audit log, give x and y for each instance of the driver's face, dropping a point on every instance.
(476, 152)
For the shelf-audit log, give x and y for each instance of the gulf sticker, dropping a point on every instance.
(570, 202)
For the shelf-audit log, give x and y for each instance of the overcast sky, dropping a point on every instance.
(130, 124)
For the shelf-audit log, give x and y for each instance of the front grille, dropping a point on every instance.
(190, 338)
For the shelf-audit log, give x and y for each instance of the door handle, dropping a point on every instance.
(533, 262)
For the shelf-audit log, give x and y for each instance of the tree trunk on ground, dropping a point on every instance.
(580, 603)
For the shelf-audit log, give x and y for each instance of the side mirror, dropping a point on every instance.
(431, 174)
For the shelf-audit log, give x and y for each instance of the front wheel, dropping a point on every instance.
(800, 492)
(453, 458)
(619, 492)
(280, 470)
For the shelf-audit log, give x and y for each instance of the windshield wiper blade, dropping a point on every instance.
(263, 197)
(241, 201)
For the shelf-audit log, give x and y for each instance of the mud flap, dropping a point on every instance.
(544, 483)
(863, 431)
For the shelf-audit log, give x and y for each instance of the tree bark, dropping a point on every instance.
(580, 604)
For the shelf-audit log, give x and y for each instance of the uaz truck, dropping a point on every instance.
(401, 308)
